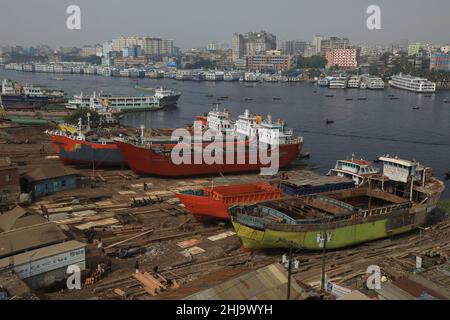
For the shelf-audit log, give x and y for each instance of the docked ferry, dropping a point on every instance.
(414, 84)
(14, 96)
(117, 104)
(338, 82)
(396, 201)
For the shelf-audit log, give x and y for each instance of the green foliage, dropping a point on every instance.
(200, 62)
(25, 57)
(316, 62)
(82, 113)
(76, 58)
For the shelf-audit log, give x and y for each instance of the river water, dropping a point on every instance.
(366, 128)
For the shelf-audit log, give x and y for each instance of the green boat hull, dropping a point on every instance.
(340, 237)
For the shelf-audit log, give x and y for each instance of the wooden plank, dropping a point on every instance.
(128, 239)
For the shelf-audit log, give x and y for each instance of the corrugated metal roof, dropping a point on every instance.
(41, 253)
(269, 283)
(32, 237)
(49, 172)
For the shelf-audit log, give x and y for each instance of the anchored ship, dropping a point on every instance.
(232, 156)
(414, 84)
(16, 97)
(396, 201)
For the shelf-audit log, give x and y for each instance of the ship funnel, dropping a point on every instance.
(259, 119)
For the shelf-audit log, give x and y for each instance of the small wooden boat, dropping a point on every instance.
(329, 122)
(276, 98)
(416, 108)
(329, 95)
(349, 99)
(209, 95)
(248, 99)
(447, 175)
(362, 99)
(395, 98)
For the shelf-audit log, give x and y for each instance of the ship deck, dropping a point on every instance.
(331, 206)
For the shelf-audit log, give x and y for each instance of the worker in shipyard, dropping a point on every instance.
(136, 265)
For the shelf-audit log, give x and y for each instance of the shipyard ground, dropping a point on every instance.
(181, 252)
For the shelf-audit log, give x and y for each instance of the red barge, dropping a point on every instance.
(213, 202)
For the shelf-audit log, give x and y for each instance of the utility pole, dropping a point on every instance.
(289, 274)
(291, 244)
(324, 249)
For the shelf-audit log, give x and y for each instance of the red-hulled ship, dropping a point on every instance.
(213, 202)
(77, 150)
(234, 157)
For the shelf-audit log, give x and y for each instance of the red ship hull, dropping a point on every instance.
(81, 152)
(149, 161)
(214, 202)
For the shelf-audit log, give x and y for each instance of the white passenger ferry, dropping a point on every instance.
(414, 84)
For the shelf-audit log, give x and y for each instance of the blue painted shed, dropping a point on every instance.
(49, 179)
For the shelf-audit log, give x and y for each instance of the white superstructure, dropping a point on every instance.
(356, 169)
(338, 82)
(354, 82)
(414, 84)
(372, 82)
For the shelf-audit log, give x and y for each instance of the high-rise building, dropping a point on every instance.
(333, 43)
(292, 47)
(310, 50)
(252, 43)
(106, 48)
(213, 46)
(271, 59)
(317, 43)
(343, 58)
(440, 62)
(151, 46)
(237, 47)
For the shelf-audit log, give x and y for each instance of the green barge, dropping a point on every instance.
(383, 207)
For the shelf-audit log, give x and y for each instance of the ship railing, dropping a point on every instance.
(385, 209)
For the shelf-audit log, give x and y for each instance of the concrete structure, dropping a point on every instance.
(88, 51)
(317, 43)
(237, 47)
(292, 47)
(213, 46)
(44, 266)
(310, 50)
(9, 183)
(333, 43)
(271, 60)
(151, 46)
(343, 58)
(133, 52)
(440, 62)
(252, 43)
(49, 179)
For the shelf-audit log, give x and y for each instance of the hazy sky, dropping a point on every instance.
(193, 23)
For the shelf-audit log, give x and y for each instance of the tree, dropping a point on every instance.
(82, 113)
(316, 62)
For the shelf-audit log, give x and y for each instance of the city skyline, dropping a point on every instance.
(45, 22)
